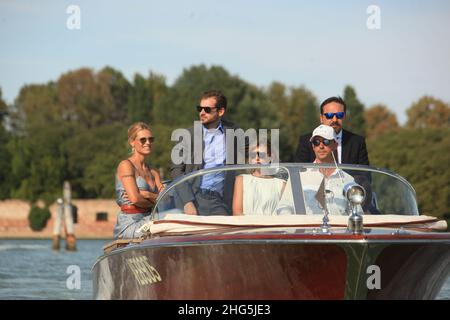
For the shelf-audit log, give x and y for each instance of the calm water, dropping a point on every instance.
(30, 269)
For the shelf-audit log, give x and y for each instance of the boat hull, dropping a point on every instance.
(274, 266)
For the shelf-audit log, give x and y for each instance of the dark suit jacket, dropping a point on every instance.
(187, 191)
(354, 150)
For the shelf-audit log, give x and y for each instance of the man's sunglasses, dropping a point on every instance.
(207, 109)
(144, 140)
(316, 142)
(330, 115)
(261, 155)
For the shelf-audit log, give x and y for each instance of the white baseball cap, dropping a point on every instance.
(325, 132)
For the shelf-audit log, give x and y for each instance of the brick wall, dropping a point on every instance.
(14, 219)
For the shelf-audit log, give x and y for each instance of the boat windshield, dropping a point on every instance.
(286, 189)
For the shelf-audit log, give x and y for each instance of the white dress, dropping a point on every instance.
(261, 195)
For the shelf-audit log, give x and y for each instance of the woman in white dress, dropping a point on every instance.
(257, 193)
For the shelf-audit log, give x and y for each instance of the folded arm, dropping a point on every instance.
(125, 173)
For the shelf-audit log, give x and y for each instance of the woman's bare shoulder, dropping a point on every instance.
(125, 166)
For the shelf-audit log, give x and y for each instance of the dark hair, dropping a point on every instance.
(332, 99)
(221, 100)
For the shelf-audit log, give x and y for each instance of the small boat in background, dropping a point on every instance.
(366, 241)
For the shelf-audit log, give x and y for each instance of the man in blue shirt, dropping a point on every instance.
(212, 194)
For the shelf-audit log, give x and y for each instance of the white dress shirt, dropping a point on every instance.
(339, 148)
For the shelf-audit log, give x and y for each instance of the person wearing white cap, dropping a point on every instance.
(323, 141)
(326, 182)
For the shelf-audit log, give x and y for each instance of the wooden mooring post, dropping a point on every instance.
(64, 220)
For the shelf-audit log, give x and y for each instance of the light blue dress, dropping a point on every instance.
(128, 224)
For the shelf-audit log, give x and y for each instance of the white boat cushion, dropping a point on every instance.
(182, 223)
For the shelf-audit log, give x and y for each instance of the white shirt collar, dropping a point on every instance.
(219, 129)
(335, 172)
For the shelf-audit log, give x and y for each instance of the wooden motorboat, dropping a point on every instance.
(385, 251)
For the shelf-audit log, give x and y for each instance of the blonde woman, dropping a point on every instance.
(137, 184)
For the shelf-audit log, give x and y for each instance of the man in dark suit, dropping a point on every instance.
(210, 194)
(351, 147)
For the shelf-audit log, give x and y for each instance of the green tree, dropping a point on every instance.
(20, 159)
(92, 157)
(35, 108)
(354, 120)
(139, 102)
(428, 112)
(426, 170)
(118, 87)
(161, 149)
(39, 164)
(177, 108)
(89, 99)
(254, 110)
(51, 143)
(38, 217)
(3, 107)
(144, 95)
(380, 120)
(5, 156)
(37, 154)
(297, 113)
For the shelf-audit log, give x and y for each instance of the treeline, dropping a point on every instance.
(75, 129)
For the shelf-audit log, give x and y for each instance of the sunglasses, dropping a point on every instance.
(261, 155)
(144, 140)
(330, 115)
(207, 109)
(316, 142)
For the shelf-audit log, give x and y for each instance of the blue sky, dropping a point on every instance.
(322, 45)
